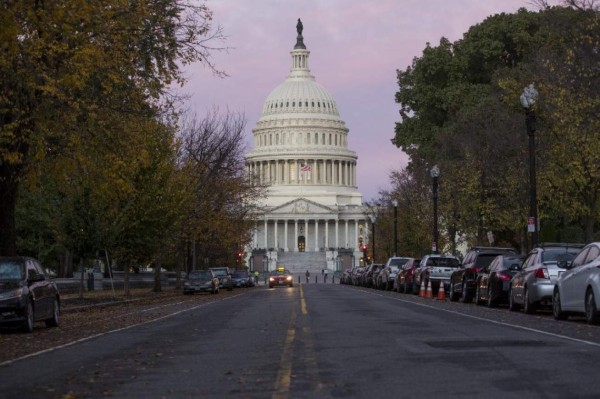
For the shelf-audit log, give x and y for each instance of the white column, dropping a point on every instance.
(266, 242)
(306, 235)
(296, 172)
(356, 232)
(337, 229)
(276, 240)
(256, 235)
(316, 235)
(296, 235)
(346, 233)
(285, 245)
(340, 180)
(326, 233)
(277, 167)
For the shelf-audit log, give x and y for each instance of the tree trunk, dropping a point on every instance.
(8, 201)
(126, 278)
(66, 265)
(157, 284)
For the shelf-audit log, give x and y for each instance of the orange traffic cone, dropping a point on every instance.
(429, 293)
(441, 293)
(422, 290)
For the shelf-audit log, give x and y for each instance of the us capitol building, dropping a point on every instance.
(312, 217)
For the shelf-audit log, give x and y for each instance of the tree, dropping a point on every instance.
(65, 66)
(219, 211)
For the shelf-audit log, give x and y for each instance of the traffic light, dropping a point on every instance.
(238, 257)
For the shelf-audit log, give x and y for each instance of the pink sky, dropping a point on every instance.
(355, 47)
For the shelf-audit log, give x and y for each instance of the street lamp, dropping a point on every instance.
(395, 203)
(528, 99)
(435, 174)
(372, 243)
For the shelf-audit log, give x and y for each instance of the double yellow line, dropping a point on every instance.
(284, 375)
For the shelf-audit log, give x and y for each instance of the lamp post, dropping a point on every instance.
(528, 99)
(395, 203)
(435, 174)
(372, 243)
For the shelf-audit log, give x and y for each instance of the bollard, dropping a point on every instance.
(333, 279)
(316, 280)
(298, 280)
(265, 280)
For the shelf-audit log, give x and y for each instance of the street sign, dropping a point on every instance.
(530, 224)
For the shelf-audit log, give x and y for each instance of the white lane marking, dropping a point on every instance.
(7, 362)
(581, 341)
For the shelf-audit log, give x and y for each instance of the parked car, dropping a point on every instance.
(27, 294)
(577, 289)
(224, 276)
(279, 277)
(242, 278)
(463, 280)
(387, 276)
(346, 277)
(370, 270)
(436, 268)
(533, 285)
(493, 282)
(357, 275)
(405, 277)
(201, 281)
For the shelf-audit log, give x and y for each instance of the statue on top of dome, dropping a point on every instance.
(299, 39)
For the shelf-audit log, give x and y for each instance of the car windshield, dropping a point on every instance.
(512, 263)
(220, 272)
(279, 273)
(200, 275)
(558, 255)
(393, 268)
(238, 275)
(448, 262)
(398, 262)
(11, 271)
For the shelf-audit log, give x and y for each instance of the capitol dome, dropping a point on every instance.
(301, 142)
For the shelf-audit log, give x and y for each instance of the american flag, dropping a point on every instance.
(304, 167)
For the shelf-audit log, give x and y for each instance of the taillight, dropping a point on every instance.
(503, 276)
(542, 272)
(477, 269)
(410, 273)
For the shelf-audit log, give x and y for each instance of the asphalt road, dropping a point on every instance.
(321, 341)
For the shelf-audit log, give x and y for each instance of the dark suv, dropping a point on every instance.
(463, 281)
(224, 276)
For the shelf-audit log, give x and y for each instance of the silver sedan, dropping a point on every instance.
(578, 288)
(533, 286)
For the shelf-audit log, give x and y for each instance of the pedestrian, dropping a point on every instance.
(256, 277)
(325, 276)
(307, 276)
(322, 271)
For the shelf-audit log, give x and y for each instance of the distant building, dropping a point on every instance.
(313, 217)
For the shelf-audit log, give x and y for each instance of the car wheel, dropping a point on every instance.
(28, 323)
(557, 311)
(453, 295)
(528, 307)
(491, 302)
(53, 321)
(592, 315)
(512, 306)
(465, 298)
